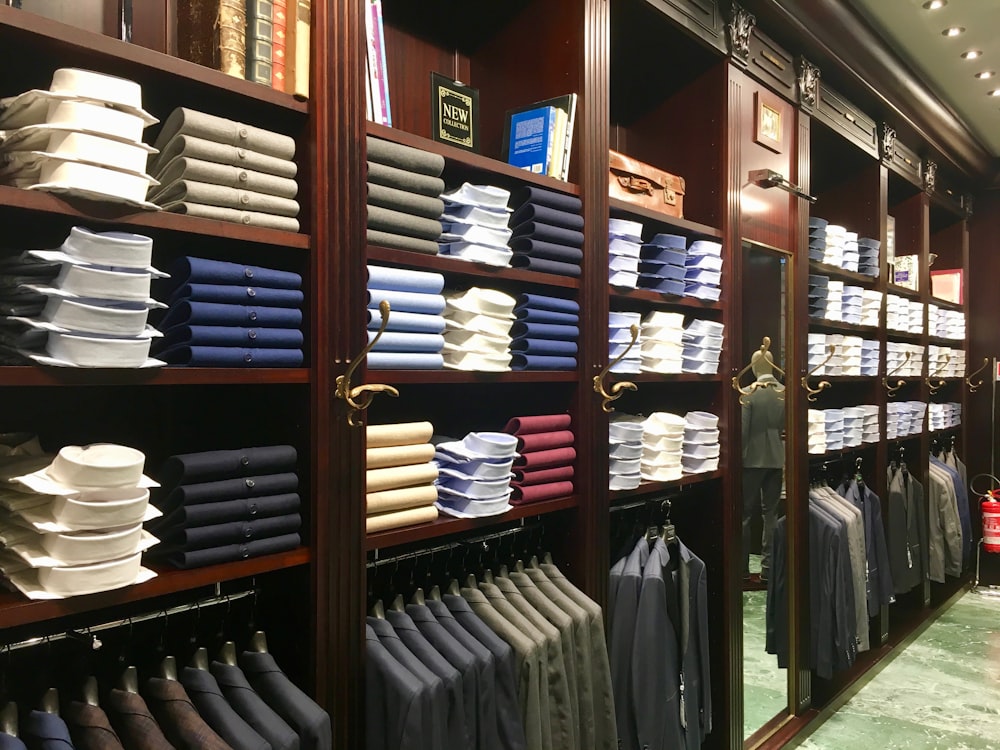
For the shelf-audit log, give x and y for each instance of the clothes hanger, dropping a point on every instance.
(378, 610)
(435, 594)
(398, 605)
(199, 660)
(8, 719)
(487, 577)
(128, 680)
(418, 597)
(50, 702)
(258, 642)
(168, 668)
(89, 691)
(668, 534)
(454, 588)
(227, 653)
(857, 473)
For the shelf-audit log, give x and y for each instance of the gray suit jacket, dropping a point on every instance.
(532, 665)
(605, 728)
(763, 422)
(859, 559)
(623, 638)
(944, 528)
(395, 701)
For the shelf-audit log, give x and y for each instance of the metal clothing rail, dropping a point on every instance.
(379, 561)
(86, 635)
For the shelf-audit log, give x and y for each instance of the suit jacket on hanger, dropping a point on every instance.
(300, 711)
(252, 708)
(395, 701)
(907, 536)
(89, 727)
(45, 731)
(455, 615)
(622, 640)
(178, 718)
(10, 742)
(879, 590)
(944, 531)
(135, 725)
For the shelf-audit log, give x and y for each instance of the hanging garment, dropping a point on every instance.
(178, 718)
(46, 731)
(135, 725)
(907, 538)
(622, 639)
(395, 701)
(878, 581)
(204, 692)
(89, 727)
(252, 708)
(944, 529)
(949, 464)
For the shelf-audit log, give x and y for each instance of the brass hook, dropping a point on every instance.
(745, 392)
(821, 385)
(616, 388)
(941, 382)
(973, 387)
(360, 397)
(900, 383)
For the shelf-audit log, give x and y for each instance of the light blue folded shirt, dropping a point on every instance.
(404, 280)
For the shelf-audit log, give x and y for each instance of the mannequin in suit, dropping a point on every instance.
(763, 457)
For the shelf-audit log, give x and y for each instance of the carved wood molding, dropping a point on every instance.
(887, 144)
(930, 176)
(807, 84)
(738, 30)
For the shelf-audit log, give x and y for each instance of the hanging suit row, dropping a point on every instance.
(907, 529)
(949, 522)
(516, 661)
(658, 645)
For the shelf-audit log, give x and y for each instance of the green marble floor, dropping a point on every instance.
(764, 685)
(942, 692)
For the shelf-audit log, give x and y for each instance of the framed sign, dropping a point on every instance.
(768, 121)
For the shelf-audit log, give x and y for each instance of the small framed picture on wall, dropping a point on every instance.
(768, 124)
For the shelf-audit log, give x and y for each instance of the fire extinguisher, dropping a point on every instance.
(990, 507)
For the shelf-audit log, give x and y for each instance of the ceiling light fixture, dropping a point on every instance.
(935, 4)
(994, 92)
(953, 30)
(971, 54)
(984, 74)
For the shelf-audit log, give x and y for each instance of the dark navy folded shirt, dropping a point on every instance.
(541, 362)
(231, 356)
(227, 463)
(548, 250)
(224, 490)
(548, 347)
(541, 265)
(227, 511)
(553, 216)
(188, 270)
(544, 331)
(537, 230)
(234, 552)
(543, 197)
(546, 302)
(237, 295)
(187, 312)
(266, 338)
(235, 532)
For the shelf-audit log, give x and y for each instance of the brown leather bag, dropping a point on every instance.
(636, 182)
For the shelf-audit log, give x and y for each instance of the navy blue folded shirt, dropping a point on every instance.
(231, 356)
(534, 315)
(223, 534)
(244, 509)
(541, 362)
(188, 495)
(233, 552)
(543, 197)
(546, 302)
(187, 312)
(228, 463)
(237, 295)
(266, 338)
(546, 215)
(188, 270)
(549, 347)
(521, 329)
(537, 230)
(548, 250)
(541, 265)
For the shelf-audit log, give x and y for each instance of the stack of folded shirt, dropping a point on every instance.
(703, 270)
(703, 346)
(871, 357)
(870, 432)
(545, 333)
(871, 307)
(916, 324)
(403, 185)
(413, 338)
(948, 324)
(904, 360)
(241, 334)
(834, 425)
(854, 420)
(475, 224)
(477, 335)
(700, 451)
(834, 300)
(662, 347)
(836, 239)
(851, 355)
(661, 264)
(897, 312)
(818, 293)
(903, 418)
(216, 168)
(817, 238)
(619, 340)
(72, 523)
(945, 362)
(548, 232)
(543, 469)
(835, 364)
(226, 505)
(816, 440)
(400, 476)
(943, 416)
(851, 304)
(852, 254)
(935, 321)
(818, 350)
(84, 304)
(624, 247)
(662, 447)
(474, 474)
(82, 137)
(868, 260)
(625, 452)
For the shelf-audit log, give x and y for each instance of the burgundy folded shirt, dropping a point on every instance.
(546, 459)
(540, 441)
(542, 423)
(542, 476)
(537, 492)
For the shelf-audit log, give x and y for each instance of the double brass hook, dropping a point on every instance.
(973, 387)
(360, 397)
(619, 387)
(936, 374)
(891, 389)
(745, 392)
(821, 385)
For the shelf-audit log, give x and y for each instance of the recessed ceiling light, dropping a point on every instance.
(935, 4)
(953, 30)
(984, 74)
(971, 54)
(994, 92)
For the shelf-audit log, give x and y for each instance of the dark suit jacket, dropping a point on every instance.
(135, 725)
(252, 708)
(178, 718)
(763, 422)
(879, 580)
(907, 535)
(622, 640)
(455, 614)
(413, 639)
(9, 742)
(89, 727)
(45, 731)
(300, 711)
(395, 701)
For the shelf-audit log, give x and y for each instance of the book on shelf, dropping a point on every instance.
(259, 35)
(279, 44)
(213, 33)
(303, 22)
(906, 271)
(946, 284)
(539, 136)
(377, 72)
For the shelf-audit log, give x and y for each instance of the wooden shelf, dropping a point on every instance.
(831, 455)
(872, 379)
(16, 610)
(822, 325)
(434, 377)
(667, 377)
(620, 208)
(650, 488)
(663, 300)
(86, 376)
(454, 267)
(942, 341)
(446, 525)
(841, 274)
(902, 291)
(59, 39)
(904, 336)
(470, 161)
(946, 304)
(110, 213)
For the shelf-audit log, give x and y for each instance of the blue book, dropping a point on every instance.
(531, 135)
